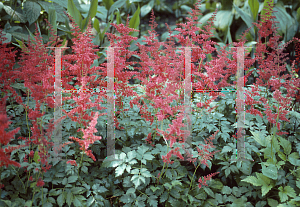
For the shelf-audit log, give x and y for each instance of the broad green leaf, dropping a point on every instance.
(52, 18)
(246, 18)
(298, 14)
(16, 16)
(270, 171)
(106, 28)
(223, 19)
(118, 4)
(91, 14)
(32, 11)
(287, 24)
(118, 18)
(96, 25)
(74, 12)
(108, 4)
(254, 6)
(135, 21)
(147, 8)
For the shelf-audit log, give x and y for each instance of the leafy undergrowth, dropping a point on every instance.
(141, 178)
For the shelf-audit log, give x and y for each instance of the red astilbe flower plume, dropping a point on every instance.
(88, 137)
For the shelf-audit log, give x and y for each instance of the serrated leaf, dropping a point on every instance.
(148, 156)
(145, 173)
(253, 180)
(286, 145)
(77, 190)
(226, 190)
(72, 178)
(294, 159)
(120, 169)
(226, 149)
(61, 199)
(69, 198)
(285, 192)
(270, 171)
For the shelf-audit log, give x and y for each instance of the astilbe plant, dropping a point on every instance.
(159, 79)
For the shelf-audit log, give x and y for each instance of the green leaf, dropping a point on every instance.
(147, 8)
(118, 18)
(209, 192)
(253, 180)
(135, 21)
(74, 12)
(52, 18)
(96, 25)
(270, 171)
(272, 202)
(246, 18)
(148, 156)
(92, 13)
(145, 173)
(226, 190)
(223, 19)
(152, 200)
(294, 159)
(70, 198)
(32, 11)
(262, 141)
(136, 179)
(120, 169)
(285, 192)
(72, 179)
(118, 4)
(287, 147)
(226, 149)
(36, 157)
(61, 199)
(77, 190)
(298, 14)
(254, 6)
(108, 4)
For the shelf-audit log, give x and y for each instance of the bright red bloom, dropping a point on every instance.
(40, 183)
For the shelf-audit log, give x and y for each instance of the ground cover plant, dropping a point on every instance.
(149, 124)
